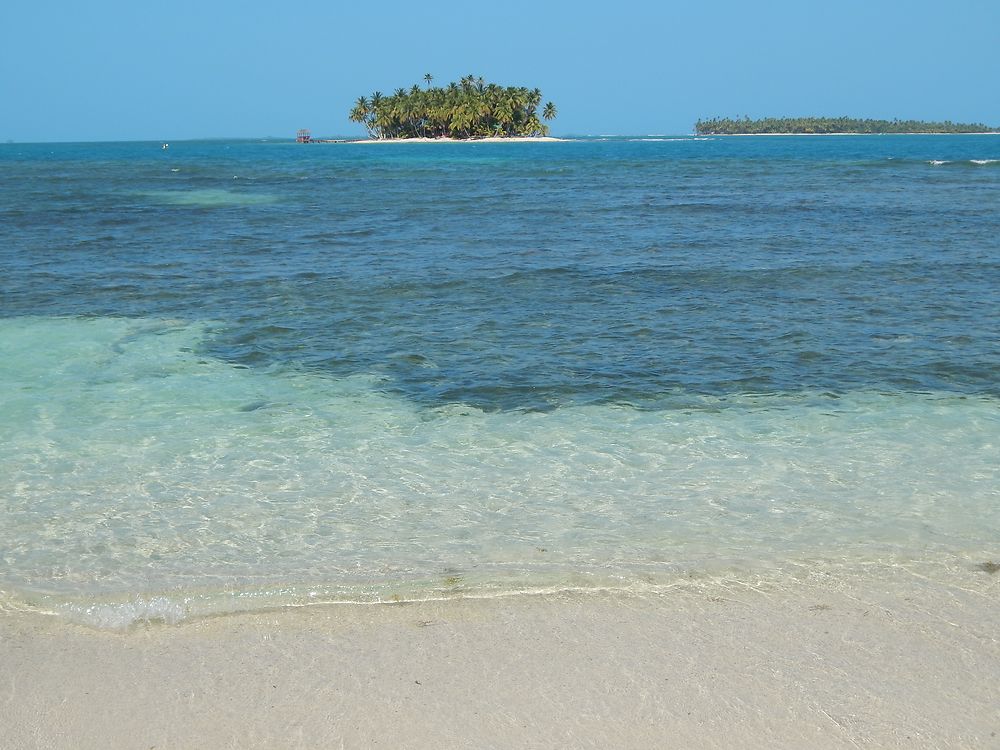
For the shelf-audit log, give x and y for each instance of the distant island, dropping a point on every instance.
(470, 108)
(822, 125)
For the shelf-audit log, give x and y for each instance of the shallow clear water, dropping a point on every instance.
(239, 374)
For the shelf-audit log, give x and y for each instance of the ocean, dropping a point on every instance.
(238, 375)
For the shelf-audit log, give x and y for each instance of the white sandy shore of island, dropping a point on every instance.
(818, 663)
(526, 139)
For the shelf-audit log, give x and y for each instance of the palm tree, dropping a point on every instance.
(549, 112)
(361, 105)
(362, 113)
(376, 107)
(428, 78)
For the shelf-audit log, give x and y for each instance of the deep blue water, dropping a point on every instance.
(511, 276)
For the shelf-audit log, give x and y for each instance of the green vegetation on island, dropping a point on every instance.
(820, 125)
(471, 108)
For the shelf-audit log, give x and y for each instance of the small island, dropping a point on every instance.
(469, 109)
(830, 126)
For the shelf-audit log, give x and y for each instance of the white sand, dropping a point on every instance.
(532, 139)
(825, 664)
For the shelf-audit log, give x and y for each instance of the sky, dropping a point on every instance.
(115, 70)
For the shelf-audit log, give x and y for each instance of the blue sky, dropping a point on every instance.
(112, 70)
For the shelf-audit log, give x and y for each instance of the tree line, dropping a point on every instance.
(746, 126)
(470, 108)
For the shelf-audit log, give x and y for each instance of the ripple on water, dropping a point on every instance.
(135, 465)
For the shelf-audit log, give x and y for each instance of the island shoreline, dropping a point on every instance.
(502, 139)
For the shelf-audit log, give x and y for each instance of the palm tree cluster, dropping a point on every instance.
(471, 108)
(746, 126)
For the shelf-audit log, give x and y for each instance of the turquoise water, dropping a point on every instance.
(237, 375)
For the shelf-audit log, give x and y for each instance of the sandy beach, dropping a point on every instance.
(533, 139)
(825, 662)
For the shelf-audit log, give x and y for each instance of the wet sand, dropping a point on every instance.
(820, 663)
